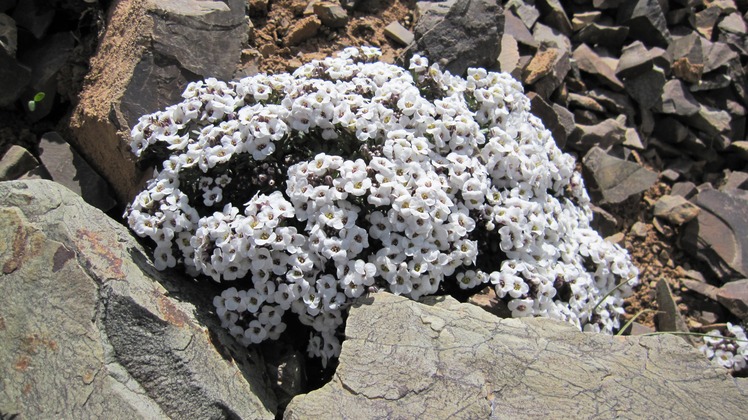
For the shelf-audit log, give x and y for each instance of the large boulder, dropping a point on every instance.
(89, 329)
(150, 51)
(444, 359)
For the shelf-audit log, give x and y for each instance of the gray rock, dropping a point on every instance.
(734, 297)
(734, 23)
(13, 77)
(399, 33)
(684, 189)
(91, 330)
(637, 59)
(668, 315)
(646, 87)
(550, 118)
(605, 134)
(719, 235)
(677, 100)
(148, 54)
(516, 28)
(718, 55)
(451, 360)
(509, 56)
(610, 36)
(582, 101)
(548, 37)
(469, 35)
(583, 19)
(700, 287)
(554, 15)
(603, 222)
(688, 57)
(527, 12)
(16, 162)
(646, 21)
(633, 140)
(712, 122)
(676, 209)
(591, 62)
(705, 20)
(8, 34)
(566, 119)
(614, 180)
(68, 168)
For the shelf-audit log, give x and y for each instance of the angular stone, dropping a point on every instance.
(688, 57)
(700, 287)
(668, 315)
(734, 23)
(468, 35)
(633, 140)
(734, 297)
(583, 19)
(149, 52)
(516, 28)
(605, 134)
(735, 180)
(637, 59)
(712, 122)
(614, 180)
(646, 88)
(676, 209)
(547, 70)
(487, 300)
(614, 102)
(603, 222)
(399, 33)
(719, 235)
(589, 61)
(705, 20)
(16, 162)
(646, 21)
(639, 229)
(450, 360)
(554, 15)
(527, 12)
(331, 14)
(582, 101)
(684, 189)
(91, 330)
(68, 168)
(676, 99)
(301, 30)
(548, 37)
(610, 36)
(509, 56)
(547, 114)
(719, 54)
(741, 148)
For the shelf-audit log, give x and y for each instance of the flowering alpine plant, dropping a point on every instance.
(729, 350)
(303, 191)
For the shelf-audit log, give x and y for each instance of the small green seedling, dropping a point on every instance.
(37, 98)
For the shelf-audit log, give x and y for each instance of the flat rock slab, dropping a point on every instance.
(719, 235)
(88, 328)
(444, 359)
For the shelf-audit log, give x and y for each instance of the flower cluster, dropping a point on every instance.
(307, 190)
(730, 350)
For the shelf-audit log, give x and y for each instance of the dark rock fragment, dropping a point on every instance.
(636, 59)
(591, 62)
(645, 88)
(676, 209)
(613, 179)
(734, 297)
(645, 20)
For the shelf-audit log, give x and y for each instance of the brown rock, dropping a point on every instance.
(705, 20)
(509, 56)
(580, 20)
(331, 14)
(606, 134)
(554, 15)
(302, 30)
(734, 297)
(676, 209)
(636, 59)
(700, 287)
(399, 33)
(547, 70)
(488, 300)
(613, 180)
(581, 101)
(516, 28)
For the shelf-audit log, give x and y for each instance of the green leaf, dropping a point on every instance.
(39, 96)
